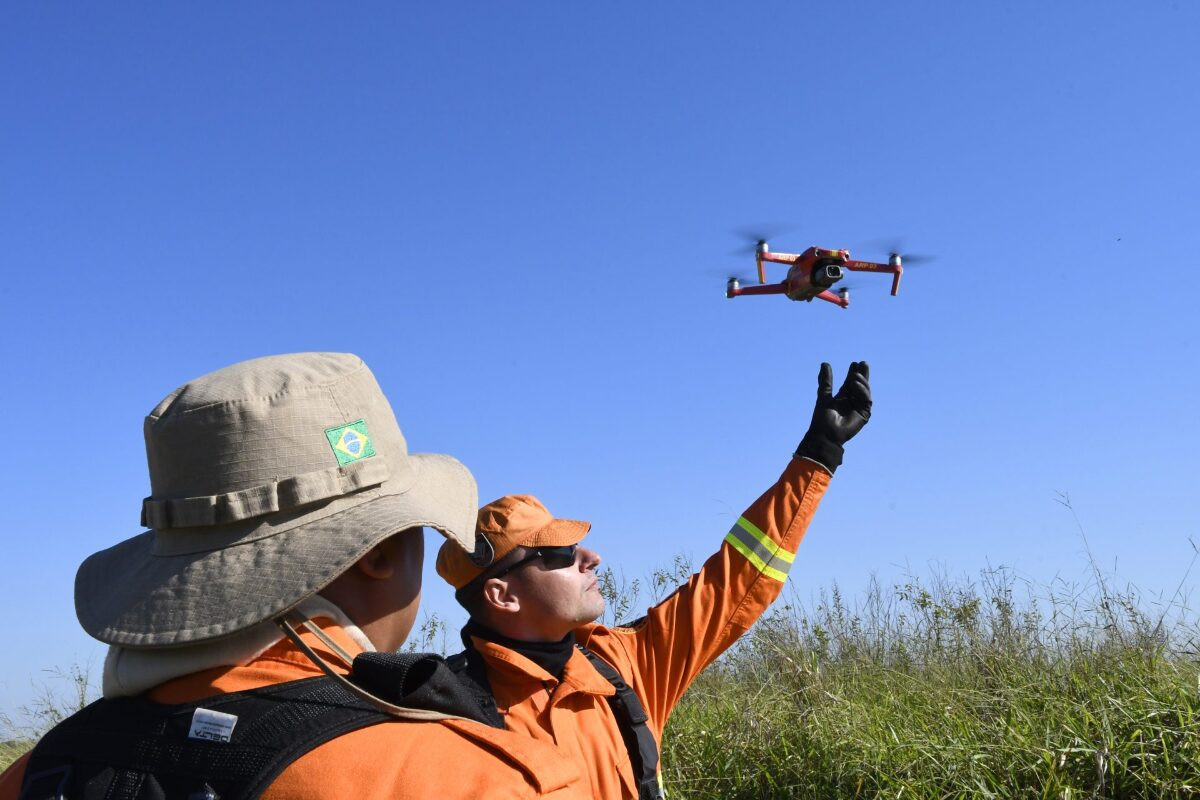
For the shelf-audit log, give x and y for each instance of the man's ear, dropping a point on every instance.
(376, 564)
(499, 596)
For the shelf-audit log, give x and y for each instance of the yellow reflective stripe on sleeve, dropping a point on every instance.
(766, 556)
(768, 544)
(754, 558)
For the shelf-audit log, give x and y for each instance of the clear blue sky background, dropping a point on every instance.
(519, 214)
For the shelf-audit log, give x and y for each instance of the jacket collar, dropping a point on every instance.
(550, 656)
(509, 666)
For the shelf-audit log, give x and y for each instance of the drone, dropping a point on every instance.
(812, 274)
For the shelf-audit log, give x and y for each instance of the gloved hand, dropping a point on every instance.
(837, 417)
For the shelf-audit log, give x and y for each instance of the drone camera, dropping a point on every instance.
(827, 275)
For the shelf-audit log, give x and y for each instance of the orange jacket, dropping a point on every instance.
(447, 759)
(663, 654)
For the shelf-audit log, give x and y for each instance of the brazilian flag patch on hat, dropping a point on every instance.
(350, 442)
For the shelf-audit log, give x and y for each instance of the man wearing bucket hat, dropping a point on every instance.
(284, 551)
(604, 694)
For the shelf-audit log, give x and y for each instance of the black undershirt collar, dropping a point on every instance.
(550, 656)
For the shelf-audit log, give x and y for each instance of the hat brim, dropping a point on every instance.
(558, 533)
(129, 595)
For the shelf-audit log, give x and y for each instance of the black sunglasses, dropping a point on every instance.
(553, 557)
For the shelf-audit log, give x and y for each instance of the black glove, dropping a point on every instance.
(837, 417)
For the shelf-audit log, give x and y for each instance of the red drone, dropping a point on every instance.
(813, 274)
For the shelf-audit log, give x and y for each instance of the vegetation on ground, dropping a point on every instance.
(949, 690)
(59, 695)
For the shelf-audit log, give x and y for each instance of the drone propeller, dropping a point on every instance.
(725, 274)
(752, 235)
(914, 259)
(733, 282)
(894, 246)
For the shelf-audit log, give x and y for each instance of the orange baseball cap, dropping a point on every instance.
(515, 520)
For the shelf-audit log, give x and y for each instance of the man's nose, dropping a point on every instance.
(588, 559)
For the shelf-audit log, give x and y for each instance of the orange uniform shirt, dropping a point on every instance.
(449, 759)
(663, 654)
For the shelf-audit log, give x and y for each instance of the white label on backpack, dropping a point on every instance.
(212, 725)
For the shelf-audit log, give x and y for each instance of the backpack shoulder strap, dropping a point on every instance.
(632, 718)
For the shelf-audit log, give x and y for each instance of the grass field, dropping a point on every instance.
(64, 693)
(955, 690)
(937, 689)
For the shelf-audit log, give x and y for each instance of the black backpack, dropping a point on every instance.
(230, 746)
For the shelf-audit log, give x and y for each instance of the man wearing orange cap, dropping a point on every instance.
(602, 695)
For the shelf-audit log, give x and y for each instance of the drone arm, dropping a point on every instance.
(775, 258)
(780, 258)
(836, 299)
(870, 266)
(770, 288)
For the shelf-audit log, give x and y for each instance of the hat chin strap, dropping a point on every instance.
(287, 624)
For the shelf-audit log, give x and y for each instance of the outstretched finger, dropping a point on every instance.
(859, 392)
(825, 381)
(857, 378)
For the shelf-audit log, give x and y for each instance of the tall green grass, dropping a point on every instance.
(949, 690)
(59, 695)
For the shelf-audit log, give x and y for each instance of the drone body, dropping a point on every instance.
(812, 274)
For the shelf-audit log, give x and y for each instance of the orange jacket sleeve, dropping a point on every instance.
(661, 655)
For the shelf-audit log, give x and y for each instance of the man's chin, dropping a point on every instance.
(598, 610)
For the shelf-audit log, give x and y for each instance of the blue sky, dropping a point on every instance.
(520, 215)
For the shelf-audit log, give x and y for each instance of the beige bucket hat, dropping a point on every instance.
(269, 478)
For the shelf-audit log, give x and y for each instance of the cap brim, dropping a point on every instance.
(558, 533)
(128, 595)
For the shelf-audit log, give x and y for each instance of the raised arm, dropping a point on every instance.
(665, 651)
